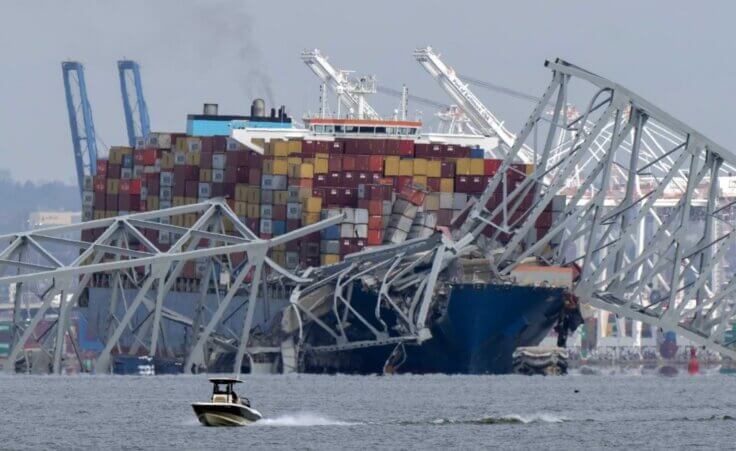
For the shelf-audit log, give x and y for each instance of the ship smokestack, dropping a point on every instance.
(210, 109)
(258, 108)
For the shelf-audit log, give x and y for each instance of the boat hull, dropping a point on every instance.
(224, 414)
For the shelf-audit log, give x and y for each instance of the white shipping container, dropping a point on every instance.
(266, 226)
(88, 183)
(329, 246)
(459, 201)
(218, 161)
(347, 230)
(180, 158)
(266, 212)
(88, 198)
(164, 193)
(218, 175)
(349, 214)
(204, 190)
(267, 197)
(233, 144)
(446, 201)
(361, 216)
(361, 231)
(126, 173)
(166, 179)
(555, 276)
(293, 211)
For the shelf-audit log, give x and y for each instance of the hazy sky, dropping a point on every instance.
(677, 54)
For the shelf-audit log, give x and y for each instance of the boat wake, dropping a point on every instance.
(505, 419)
(302, 419)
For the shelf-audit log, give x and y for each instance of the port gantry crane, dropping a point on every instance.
(134, 104)
(350, 91)
(81, 124)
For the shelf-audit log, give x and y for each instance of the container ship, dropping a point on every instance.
(392, 183)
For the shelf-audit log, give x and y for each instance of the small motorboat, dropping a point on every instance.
(226, 407)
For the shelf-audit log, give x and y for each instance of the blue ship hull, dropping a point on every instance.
(476, 333)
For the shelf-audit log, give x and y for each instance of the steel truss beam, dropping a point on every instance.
(122, 251)
(668, 282)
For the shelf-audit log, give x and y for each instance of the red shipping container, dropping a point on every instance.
(476, 185)
(205, 160)
(254, 224)
(447, 169)
(318, 192)
(323, 147)
(100, 201)
(375, 222)
(363, 178)
(362, 162)
(491, 166)
(134, 186)
(178, 189)
(406, 148)
(349, 180)
(421, 150)
(335, 147)
(191, 189)
(375, 163)
(375, 237)
(303, 183)
(255, 160)
(349, 197)
(309, 148)
(279, 212)
(231, 174)
(333, 197)
(433, 184)
(392, 147)
(334, 179)
(242, 174)
(320, 181)
(351, 146)
(375, 207)
(102, 168)
(143, 206)
(153, 183)
(134, 202)
(378, 146)
(401, 181)
(218, 190)
(124, 186)
(444, 217)
(334, 163)
(206, 144)
(113, 171)
(219, 143)
(349, 163)
(254, 177)
(291, 225)
(462, 184)
(99, 184)
(124, 202)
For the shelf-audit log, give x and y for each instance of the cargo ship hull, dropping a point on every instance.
(476, 333)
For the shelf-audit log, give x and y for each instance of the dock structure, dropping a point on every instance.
(626, 224)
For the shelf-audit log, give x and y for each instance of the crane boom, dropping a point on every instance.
(350, 92)
(82, 128)
(480, 116)
(130, 79)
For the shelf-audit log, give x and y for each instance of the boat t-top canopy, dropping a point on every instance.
(225, 380)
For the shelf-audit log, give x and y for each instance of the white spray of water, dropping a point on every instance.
(302, 419)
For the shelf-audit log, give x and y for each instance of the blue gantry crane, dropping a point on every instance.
(80, 120)
(134, 104)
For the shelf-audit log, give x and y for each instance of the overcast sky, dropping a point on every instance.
(677, 54)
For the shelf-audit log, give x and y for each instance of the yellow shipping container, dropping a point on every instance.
(309, 218)
(167, 160)
(205, 175)
(313, 204)
(280, 197)
(476, 166)
(329, 259)
(462, 166)
(193, 158)
(295, 146)
(280, 166)
(295, 160)
(320, 166)
(306, 171)
(253, 195)
(178, 201)
(304, 193)
(280, 247)
(420, 179)
(529, 169)
(241, 208)
(280, 148)
(152, 203)
(434, 168)
(294, 170)
(190, 200)
(420, 166)
(112, 186)
(241, 192)
(267, 167)
(406, 167)
(253, 211)
(391, 166)
(98, 214)
(447, 185)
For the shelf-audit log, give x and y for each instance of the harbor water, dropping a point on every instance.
(371, 412)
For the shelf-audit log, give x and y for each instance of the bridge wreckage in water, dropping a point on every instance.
(394, 305)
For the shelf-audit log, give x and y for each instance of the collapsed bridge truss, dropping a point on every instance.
(621, 177)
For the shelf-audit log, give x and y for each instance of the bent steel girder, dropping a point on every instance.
(120, 250)
(627, 164)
